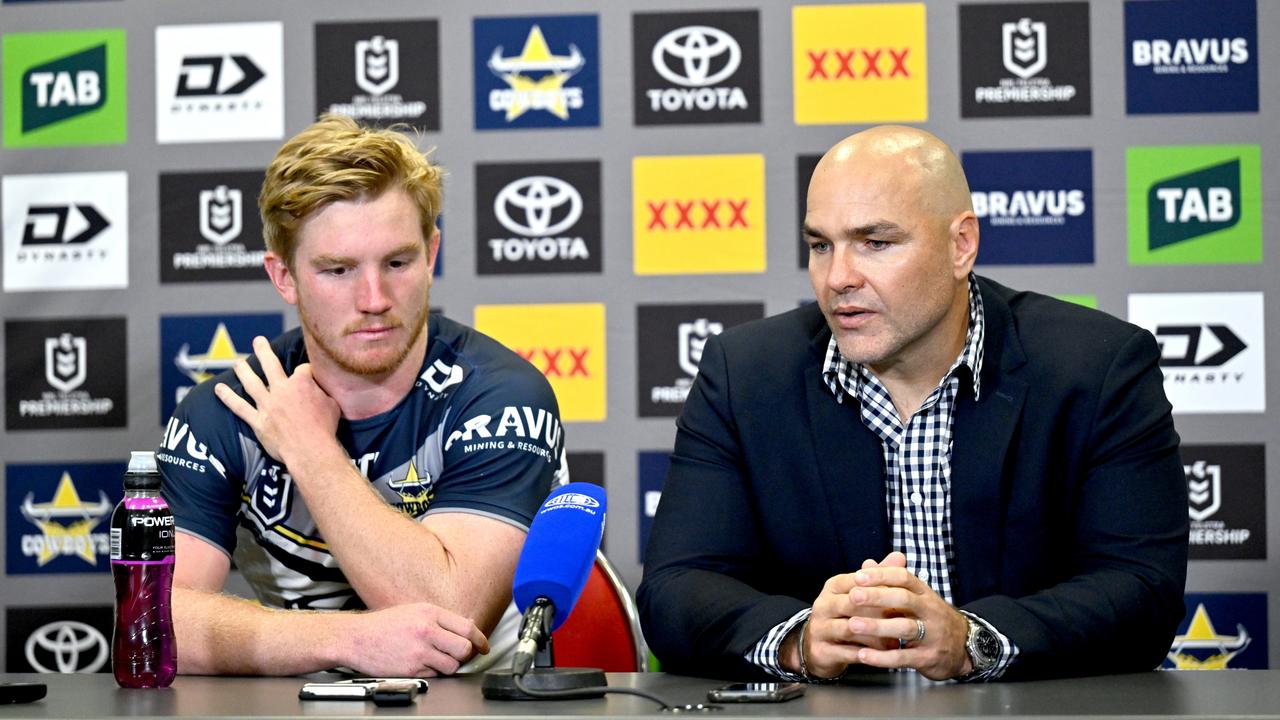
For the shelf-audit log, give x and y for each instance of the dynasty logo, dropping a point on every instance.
(1181, 346)
(66, 231)
(219, 82)
(64, 88)
(696, 67)
(539, 222)
(440, 376)
(546, 84)
(66, 525)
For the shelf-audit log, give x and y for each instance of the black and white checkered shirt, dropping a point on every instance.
(917, 461)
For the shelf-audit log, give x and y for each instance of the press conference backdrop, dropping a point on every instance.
(625, 179)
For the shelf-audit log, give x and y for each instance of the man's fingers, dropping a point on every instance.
(885, 598)
(890, 629)
(889, 658)
(234, 402)
(464, 628)
(884, 575)
(249, 379)
(271, 366)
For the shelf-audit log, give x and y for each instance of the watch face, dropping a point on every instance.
(987, 645)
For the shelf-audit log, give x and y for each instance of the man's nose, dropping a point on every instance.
(371, 294)
(844, 272)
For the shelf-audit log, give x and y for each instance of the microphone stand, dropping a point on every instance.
(533, 668)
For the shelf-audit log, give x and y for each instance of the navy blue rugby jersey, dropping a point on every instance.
(479, 433)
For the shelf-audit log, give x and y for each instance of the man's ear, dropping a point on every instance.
(964, 238)
(281, 276)
(433, 251)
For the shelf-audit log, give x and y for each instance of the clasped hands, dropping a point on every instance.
(870, 617)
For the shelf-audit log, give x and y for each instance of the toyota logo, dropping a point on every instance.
(539, 197)
(696, 46)
(75, 647)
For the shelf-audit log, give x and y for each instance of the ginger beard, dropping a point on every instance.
(378, 358)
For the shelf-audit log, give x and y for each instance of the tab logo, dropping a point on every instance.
(219, 82)
(1024, 59)
(195, 348)
(553, 81)
(1185, 56)
(380, 73)
(1211, 348)
(670, 340)
(1198, 204)
(57, 516)
(1226, 491)
(566, 343)
(1035, 207)
(538, 218)
(698, 214)
(205, 233)
(859, 63)
(64, 88)
(696, 67)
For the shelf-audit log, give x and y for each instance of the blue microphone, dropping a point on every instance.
(557, 558)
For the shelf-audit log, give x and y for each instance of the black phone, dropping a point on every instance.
(14, 693)
(763, 692)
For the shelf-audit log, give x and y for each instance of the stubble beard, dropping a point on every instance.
(366, 366)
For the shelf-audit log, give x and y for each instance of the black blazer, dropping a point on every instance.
(1068, 500)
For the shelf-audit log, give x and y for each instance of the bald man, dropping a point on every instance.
(925, 469)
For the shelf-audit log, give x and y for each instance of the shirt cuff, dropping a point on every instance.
(764, 654)
(1008, 653)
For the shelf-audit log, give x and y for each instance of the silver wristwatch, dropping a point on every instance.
(983, 647)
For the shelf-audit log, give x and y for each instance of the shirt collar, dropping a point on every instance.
(843, 377)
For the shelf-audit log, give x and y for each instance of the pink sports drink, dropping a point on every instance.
(142, 652)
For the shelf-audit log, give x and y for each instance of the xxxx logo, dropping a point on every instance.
(858, 63)
(697, 214)
(560, 361)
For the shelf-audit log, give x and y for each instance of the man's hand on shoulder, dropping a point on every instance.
(292, 412)
(890, 603)
(413, 640)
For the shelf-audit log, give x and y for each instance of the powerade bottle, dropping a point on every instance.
(143, 654)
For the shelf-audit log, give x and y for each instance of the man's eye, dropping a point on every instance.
(335, 271)
(877, 244)
(819, 246)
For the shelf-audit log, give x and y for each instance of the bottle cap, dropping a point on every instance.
(142, 473)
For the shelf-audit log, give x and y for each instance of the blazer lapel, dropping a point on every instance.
(850, 468)
(981, 436)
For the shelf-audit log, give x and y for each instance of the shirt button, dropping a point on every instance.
(924, 575)
(916, 498)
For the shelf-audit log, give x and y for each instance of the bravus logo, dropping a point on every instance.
(1194, 204)
(64, 88)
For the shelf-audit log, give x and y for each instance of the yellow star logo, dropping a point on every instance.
(220, 356)
(1201, 635)
(414, 498)
(62, 537)
(545, 93)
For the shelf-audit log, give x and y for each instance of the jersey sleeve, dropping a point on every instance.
(503, 446)
(200, 461)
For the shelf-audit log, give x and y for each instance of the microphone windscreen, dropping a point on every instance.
(561, 548)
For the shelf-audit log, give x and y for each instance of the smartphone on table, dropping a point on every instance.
(763, 692)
